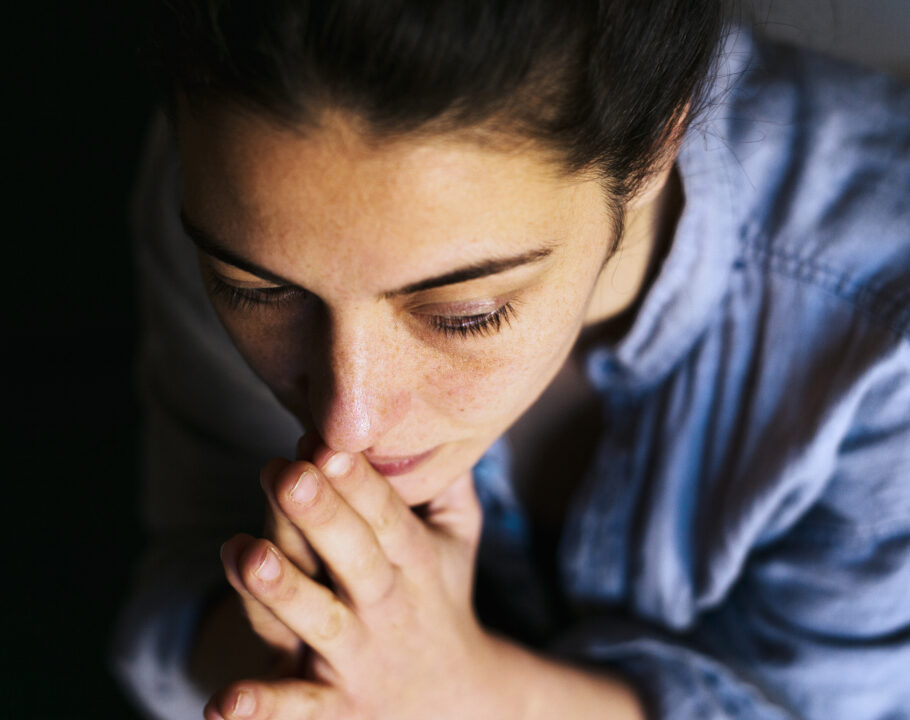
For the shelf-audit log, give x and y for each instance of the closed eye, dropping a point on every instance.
(244, 299)
(477, 325)
(247, 300)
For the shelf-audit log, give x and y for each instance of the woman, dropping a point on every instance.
(653, 317)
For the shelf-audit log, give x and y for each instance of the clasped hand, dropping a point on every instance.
(392, 633)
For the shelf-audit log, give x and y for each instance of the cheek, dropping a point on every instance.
(476, 390)
(492, 389)
(269, 348)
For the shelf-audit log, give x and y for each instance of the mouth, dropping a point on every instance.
(390, 466)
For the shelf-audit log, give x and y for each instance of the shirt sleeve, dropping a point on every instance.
(208, 427)
(818, 624)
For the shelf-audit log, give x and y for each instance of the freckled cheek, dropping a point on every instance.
(481, 392)
(487, 386)
(271, 350)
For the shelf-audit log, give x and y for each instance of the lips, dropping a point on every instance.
(390, 466)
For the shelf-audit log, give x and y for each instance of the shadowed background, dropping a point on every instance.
(76, 104)
(74, 109)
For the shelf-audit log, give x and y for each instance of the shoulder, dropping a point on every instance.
(821, 165)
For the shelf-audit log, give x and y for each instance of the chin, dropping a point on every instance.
(418, 489)
(426, 485)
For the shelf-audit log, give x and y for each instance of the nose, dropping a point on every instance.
(355, 387)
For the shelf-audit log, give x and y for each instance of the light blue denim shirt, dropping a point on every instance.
(740, 547)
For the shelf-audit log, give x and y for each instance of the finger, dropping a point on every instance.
(276, 700)
(455, 516)
(400, 532)
(280, 529)
(339, 535)
(456, 512)
(262, 620)
(312, 611)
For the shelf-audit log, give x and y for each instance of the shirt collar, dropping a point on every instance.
(694, 277)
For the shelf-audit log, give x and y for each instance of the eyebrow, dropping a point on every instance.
(211, 246)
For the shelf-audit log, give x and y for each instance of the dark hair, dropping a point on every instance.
(604, 83)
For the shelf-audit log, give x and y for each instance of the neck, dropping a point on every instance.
(629, 273)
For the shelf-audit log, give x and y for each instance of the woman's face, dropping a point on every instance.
(408, 300)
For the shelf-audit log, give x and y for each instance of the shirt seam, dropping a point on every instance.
(891, 311)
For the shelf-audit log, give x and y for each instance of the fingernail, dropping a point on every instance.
(338, 464)
(304, 489)
(269, 567)
(244, 705)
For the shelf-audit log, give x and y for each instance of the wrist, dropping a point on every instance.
(529, 686)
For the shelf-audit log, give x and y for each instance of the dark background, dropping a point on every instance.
(75, 108)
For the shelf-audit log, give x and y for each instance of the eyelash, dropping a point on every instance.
(247, 299)
(474, 325)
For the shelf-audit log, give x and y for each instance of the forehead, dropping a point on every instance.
(329, 197)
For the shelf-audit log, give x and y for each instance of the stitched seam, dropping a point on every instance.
(891, 311)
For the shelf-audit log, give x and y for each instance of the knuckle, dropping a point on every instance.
(389, 516)
(333, 622)
(325, 509)
(384, 589)
(369, 559)
(285, 593)
(310, 701)
(377, 591)
(386, 521)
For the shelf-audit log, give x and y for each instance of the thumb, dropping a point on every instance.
(456, 513)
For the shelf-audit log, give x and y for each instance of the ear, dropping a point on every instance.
(653, 186)
(657, 180)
